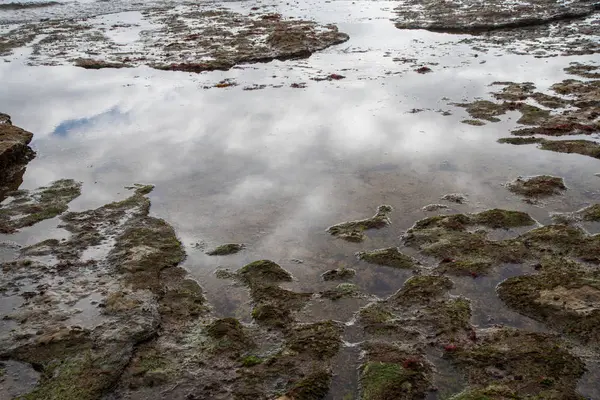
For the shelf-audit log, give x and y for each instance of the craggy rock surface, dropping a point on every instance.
(191, 38)
(540, 27)
(564, 294)
(476, 15)
(14, 154)
(572, 109)
(109, 312)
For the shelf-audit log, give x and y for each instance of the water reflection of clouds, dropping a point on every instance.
(216, 153)
(87, 123)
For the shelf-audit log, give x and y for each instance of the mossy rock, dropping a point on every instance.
(352, 231)
(390, 257)
(446, 237)
(562, 240)
(264, 272)
(27, 208)
(537, 186)
(226, 249)
(320, 340)
(228, 335)
(565, 295)
(422, 288)
(339, 274)
(584, 147)
(283, 298)
(251, 361)
(86, 377)
(497, 219)
(450, 318)
(272, 316)
(525, 361)
(375, 313)
(591, 213)
(54, 346)
(313, 387)
(274, 305)
(392, 373)
(473, 268)
(473, 122)
(343, 290)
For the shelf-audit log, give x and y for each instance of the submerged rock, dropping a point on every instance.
(26, 208)
(352, 231)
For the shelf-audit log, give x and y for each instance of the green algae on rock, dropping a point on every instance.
(228, 336)
(537, 186)
(497, 219)
(390, 257)
(226, 249)
(26, 208)
(565, 295)
(339, 274)
(320, 340)
(446, 237)
(535, 365)
(391, 372)
(352, 231)
(591, 213)
(343, 290)
(141, 288)
(422, 288)
(313, 387)
(263, 272)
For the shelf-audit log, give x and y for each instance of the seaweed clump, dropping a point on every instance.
(352, 231)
